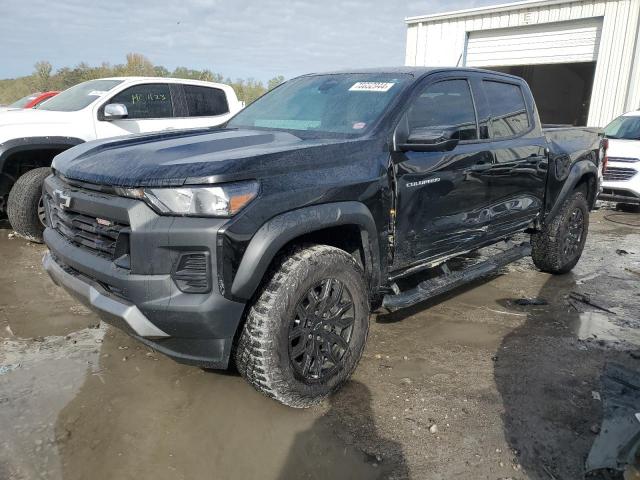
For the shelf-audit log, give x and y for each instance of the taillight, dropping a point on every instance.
(605, 158)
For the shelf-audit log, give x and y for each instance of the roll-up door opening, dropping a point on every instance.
(558, 60)
(562, 91)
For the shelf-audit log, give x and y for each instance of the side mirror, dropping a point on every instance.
(428, 140)
(115, 111)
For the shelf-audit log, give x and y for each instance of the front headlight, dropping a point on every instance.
(224, 200)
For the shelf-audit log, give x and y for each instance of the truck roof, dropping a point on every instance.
(415, 71)
(168, 80)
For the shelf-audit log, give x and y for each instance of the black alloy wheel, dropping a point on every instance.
(306, 330)
(558, 245)
(575, 231)
(320, 332)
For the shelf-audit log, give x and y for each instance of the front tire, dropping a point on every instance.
(24, 207)
(558, 246)
(306, 331)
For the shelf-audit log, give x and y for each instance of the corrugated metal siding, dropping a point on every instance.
(442, 43)
(559, 42)
(633, 95)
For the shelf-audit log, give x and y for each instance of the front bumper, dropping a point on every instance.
(91, 294)
(143, 299)
(620, 195)
(619, 188)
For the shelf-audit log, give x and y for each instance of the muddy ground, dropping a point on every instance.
(470, 386)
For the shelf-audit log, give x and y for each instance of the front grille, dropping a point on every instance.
(623, 159)
(100, 236)
(618, 174)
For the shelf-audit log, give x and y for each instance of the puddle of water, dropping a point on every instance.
(448, 331)
(37, 381)
(93, 415)
(596, 325)
(30, 304)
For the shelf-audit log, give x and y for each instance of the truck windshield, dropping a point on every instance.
(79, 96)
(626, 128)
(334, 104)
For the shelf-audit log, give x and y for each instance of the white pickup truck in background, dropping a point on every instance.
(96, 109)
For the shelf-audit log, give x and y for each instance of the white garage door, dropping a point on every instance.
(562, 42)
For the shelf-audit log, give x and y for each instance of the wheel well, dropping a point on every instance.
(344, 237)
(20, 162)
(347, 237)
(588, 184)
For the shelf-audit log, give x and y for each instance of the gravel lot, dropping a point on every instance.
(469, 386)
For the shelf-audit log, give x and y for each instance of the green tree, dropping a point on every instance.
(42, 75)
(274, 82)
(248, 90)
(161, 71)
(209, 76)
(43, 78)
(139, 65)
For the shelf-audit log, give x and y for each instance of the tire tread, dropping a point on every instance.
(255, 353)
(546, 245)
(22, 206)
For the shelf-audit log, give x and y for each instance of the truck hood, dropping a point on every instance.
(30, 116)
(623, 148)
(203, 155)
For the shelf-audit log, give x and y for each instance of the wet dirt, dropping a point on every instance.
(30, 304)
(598, 326)
(471, 385)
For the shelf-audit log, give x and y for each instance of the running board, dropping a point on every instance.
(448, 281)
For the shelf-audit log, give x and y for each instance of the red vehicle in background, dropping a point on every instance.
(37, 98)
(32, 100)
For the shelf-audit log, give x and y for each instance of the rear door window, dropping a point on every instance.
(447, 106)
(509, 116)
(205, 101)
(146, 101)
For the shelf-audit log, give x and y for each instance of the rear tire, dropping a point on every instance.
(306, 331)
(558, 246)
(24, 207)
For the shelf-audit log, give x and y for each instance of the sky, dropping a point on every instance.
(236, 38)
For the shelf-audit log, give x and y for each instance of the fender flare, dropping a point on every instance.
(25, 144)
(577, 172)
(282, 229)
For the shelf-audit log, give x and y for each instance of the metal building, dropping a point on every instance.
(581, 58)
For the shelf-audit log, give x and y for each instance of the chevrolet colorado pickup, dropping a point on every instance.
(103, 108)
(269, 241)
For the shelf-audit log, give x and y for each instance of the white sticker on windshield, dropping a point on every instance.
(96, 93)
(371, 87)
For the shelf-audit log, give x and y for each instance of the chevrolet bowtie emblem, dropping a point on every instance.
(62, 199)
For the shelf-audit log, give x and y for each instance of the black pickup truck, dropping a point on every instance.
(270, 240)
